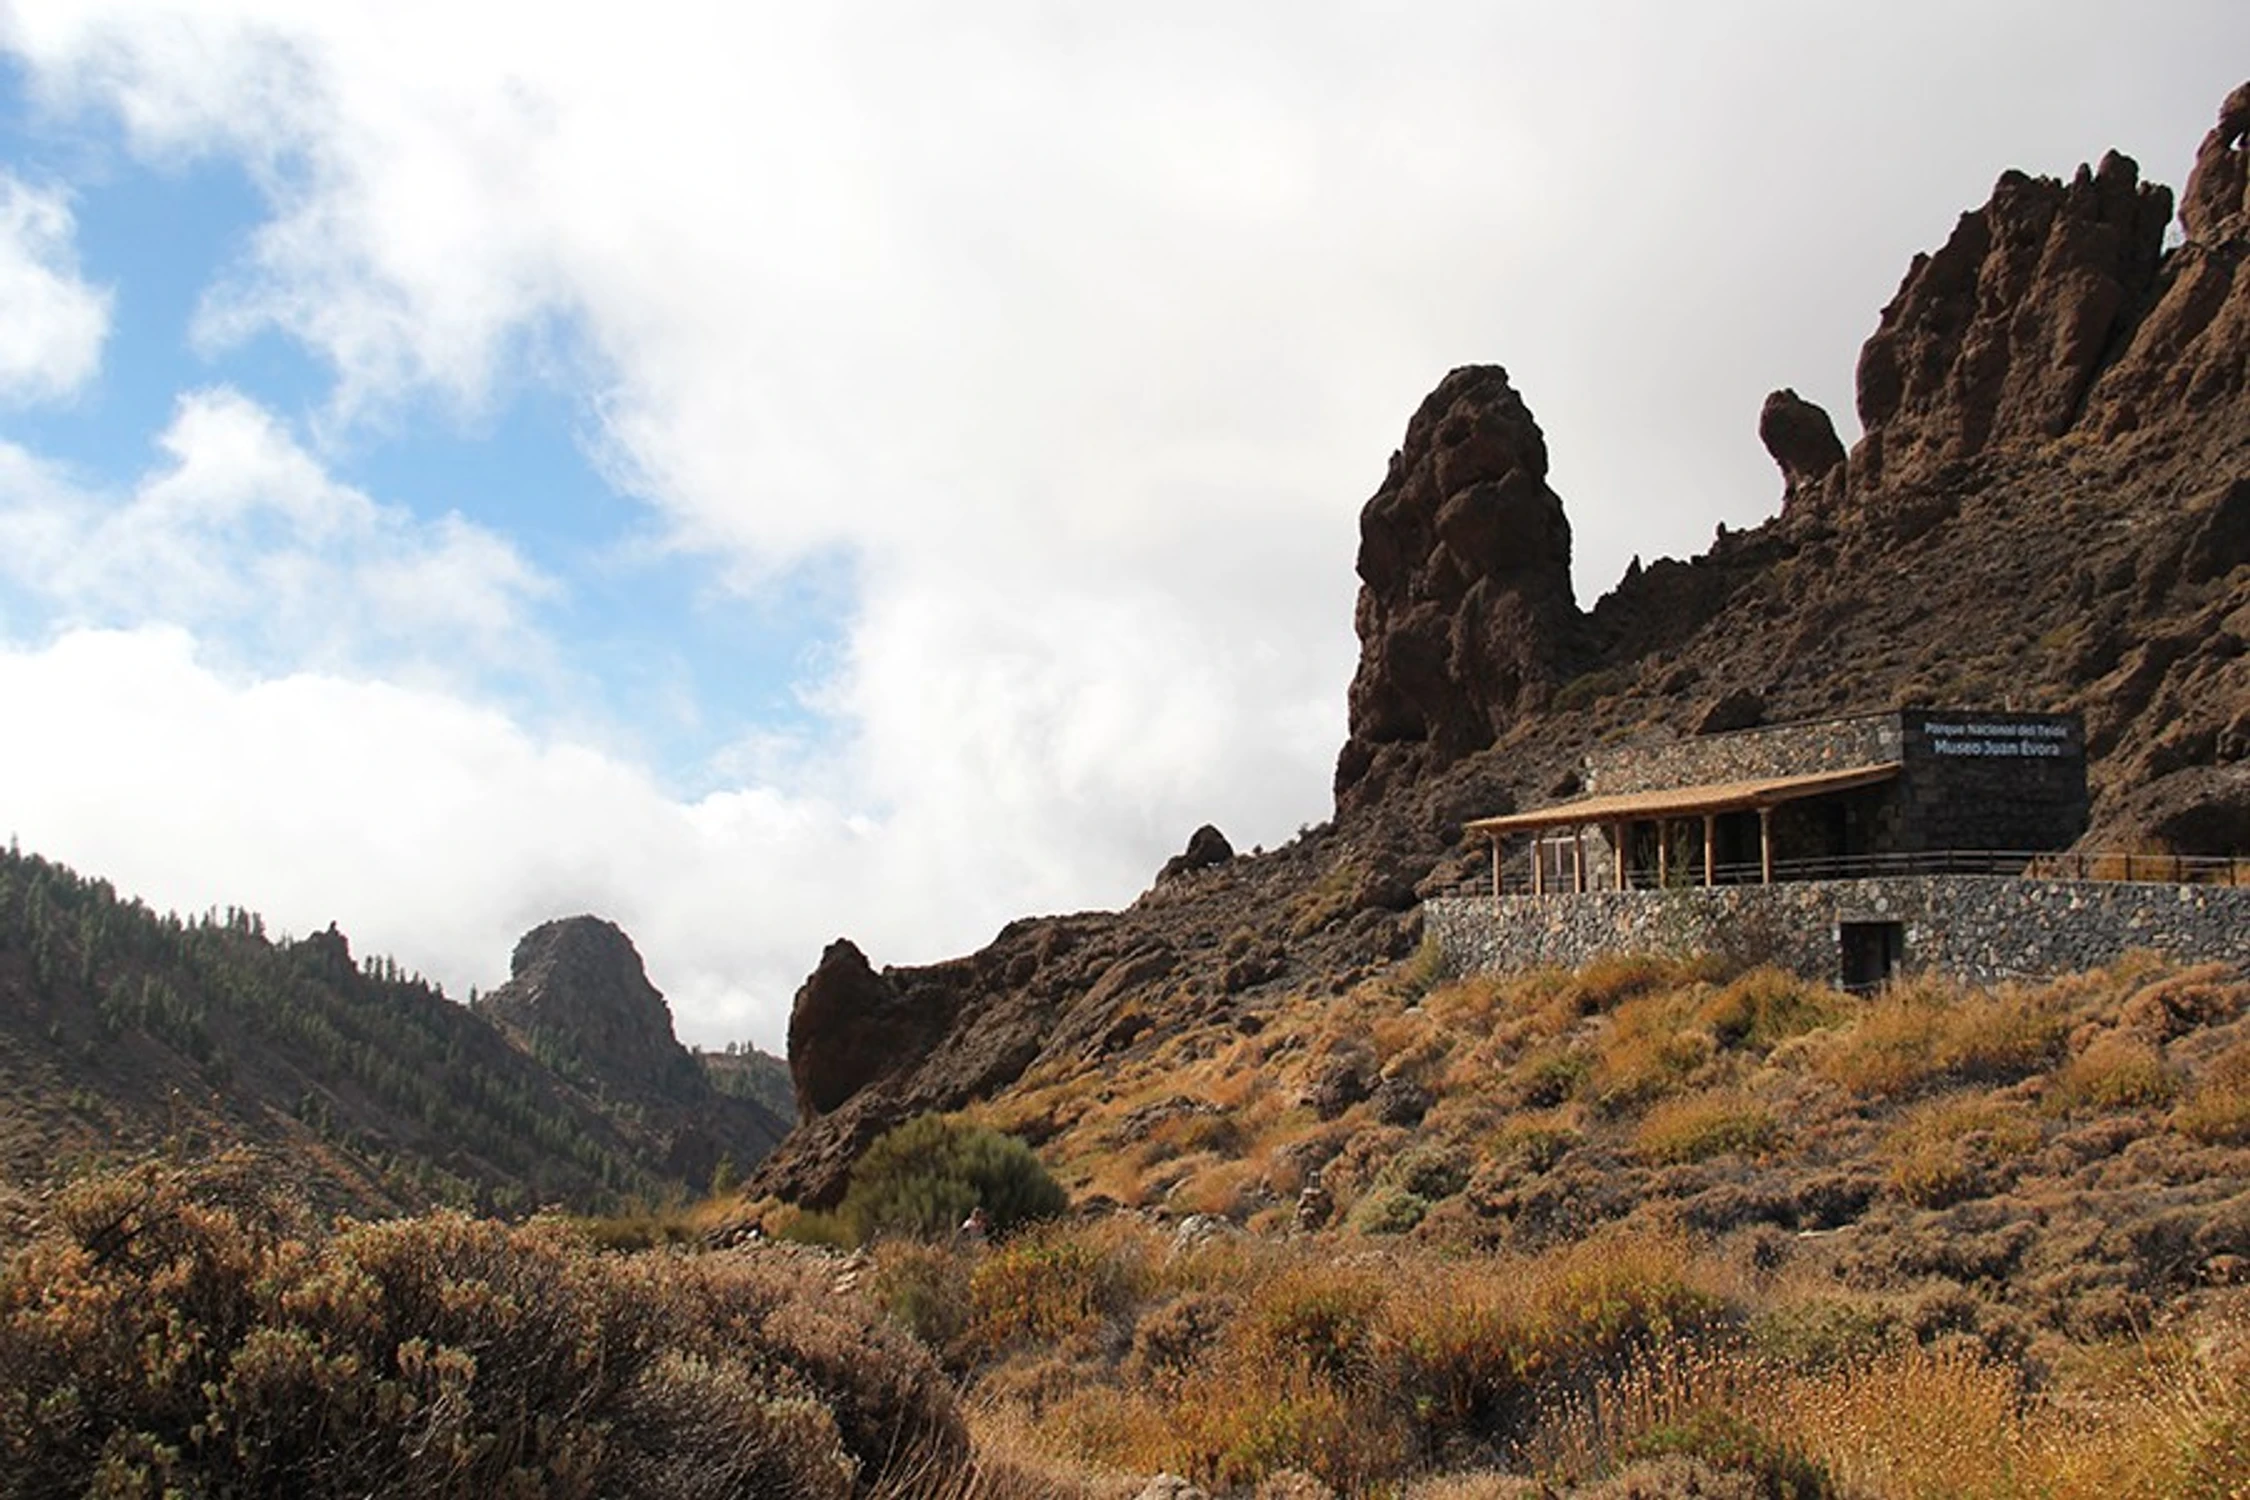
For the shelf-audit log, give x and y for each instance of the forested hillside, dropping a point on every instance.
(122, 1029)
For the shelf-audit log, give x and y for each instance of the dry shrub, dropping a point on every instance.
(2115, 1072)
(2176, 1003)
(176, 1330)
(925, 1288)
(1477, 1485)
(1316, 1316)
(1055, 1286)
(1536, 1139)
(1172, 1336)
(1921, 1421)
(1701, 1126)
(1235, 1424)
(1768, 1005)
(1551, 1074)
(2217, 1113)
(1683, 1404)
(1932, 1029)
(1945, 1151)
(1650, 1048)
(1471, 1006)
(1610, 981)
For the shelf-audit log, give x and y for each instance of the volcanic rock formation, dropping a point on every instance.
(1466, 618)
(579, 999)
(1803, 442)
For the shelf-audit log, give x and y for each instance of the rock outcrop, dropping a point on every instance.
(579, 1000)
(1998, 336)
(578, 996)
(1207, 849)
(2218, 190)
(1466, 618)
(2190, 350)
(848, 1025)
(1802, 439)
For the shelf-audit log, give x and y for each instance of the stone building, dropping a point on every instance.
(1798, 801)
(1847, 847)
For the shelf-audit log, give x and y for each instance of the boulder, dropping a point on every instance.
(1803, 441)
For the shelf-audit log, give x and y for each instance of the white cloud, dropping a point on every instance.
(1082, 333)
(52, 323)
(430, 828)
(243, 534)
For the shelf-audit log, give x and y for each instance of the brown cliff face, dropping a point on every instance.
(2189, 352)
(2050, 510)
(1997, 337)
(1466, 619)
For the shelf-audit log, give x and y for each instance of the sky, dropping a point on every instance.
(770, 473)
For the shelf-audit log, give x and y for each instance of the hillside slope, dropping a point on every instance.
(2050, 509)
(122, 1031)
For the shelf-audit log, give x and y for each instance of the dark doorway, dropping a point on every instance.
(1873, 951)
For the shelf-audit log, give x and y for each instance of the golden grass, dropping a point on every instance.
(2114, 1073)
(1930, 1029)
(1944, 1151)
(2217, 1112)
(1700, 1126)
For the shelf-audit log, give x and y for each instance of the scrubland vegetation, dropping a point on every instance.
(1652, 1228)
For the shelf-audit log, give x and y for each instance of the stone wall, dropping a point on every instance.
(1744, 754)
(1979, 928)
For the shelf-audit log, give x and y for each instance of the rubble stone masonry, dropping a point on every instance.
(1978, 928)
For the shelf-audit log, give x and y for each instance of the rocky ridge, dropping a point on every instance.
(579, 1000)
(2049, 509)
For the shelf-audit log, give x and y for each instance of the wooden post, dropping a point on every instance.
(1617, 837)
(1765, 846)
(1710, 849)
(1539, 864)
(1498, 882)
(1663, 853)
(1578, 860)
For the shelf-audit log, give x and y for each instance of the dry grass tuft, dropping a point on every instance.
(1948, 1150)
(2115, 1072)
(1931, 1030)
(1700, 1126)
(2217, 1113)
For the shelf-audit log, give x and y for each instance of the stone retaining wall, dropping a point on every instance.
(1745, 754)
(1979, 928)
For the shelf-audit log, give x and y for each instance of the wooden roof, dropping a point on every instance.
(1685, 801)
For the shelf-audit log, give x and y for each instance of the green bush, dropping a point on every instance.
(1430, 1172)
(922, 1179)
(1390, 1210)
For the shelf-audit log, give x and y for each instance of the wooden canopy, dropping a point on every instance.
(1708, 799)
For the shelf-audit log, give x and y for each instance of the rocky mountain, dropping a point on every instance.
(123, 1030)
(578, 999)
(2049, 508)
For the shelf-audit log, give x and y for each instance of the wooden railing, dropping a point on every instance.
(2117, 866)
